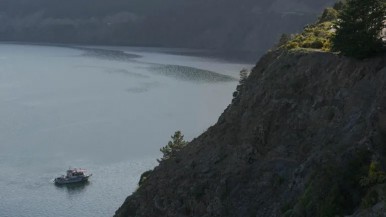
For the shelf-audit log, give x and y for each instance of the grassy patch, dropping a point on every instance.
(316, 36)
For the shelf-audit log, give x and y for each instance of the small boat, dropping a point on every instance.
(73, 176)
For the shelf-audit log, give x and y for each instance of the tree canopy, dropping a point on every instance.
(358, 28)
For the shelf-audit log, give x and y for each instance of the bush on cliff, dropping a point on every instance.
(244, 74)
(175, 145)
(314, 36)
(375, 176)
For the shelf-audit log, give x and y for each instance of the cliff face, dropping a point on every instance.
(296, 141)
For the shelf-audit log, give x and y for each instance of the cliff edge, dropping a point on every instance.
(305, 136)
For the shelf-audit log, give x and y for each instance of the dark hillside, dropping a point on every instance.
(304, 137)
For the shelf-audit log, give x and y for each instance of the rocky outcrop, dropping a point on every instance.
(296, 141)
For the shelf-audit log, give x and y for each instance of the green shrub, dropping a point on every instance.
(327, 46)
(175, 145)
(317, 44)
(375, 175)
(315, 36)
(292, 45)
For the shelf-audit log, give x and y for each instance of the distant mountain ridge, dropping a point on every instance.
(248, 25)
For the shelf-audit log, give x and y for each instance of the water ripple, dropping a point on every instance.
(191, 74)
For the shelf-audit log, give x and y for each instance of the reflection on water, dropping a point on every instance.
(108, 54)
(74, 188)
(126, 72)
(186, 73)
(111, 70)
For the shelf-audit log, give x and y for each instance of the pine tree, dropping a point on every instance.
(358, 28)
(244, 73)
(175, 145)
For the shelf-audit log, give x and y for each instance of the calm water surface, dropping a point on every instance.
(109, 111)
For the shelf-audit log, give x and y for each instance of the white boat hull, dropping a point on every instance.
(63, 180)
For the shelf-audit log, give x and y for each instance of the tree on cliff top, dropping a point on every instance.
(358, 28)
(175, 145)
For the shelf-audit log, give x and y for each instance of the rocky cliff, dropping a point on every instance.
(305, 136)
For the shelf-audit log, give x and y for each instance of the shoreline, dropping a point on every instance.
(229, 56)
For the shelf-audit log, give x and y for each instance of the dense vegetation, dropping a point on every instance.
(358, 28)
(351, 27)
(315, 36)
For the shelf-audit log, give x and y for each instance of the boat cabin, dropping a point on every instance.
(75, 172)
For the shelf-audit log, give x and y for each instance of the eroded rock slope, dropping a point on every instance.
(296, 141)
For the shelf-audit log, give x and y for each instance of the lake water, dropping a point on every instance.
(109, 111)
